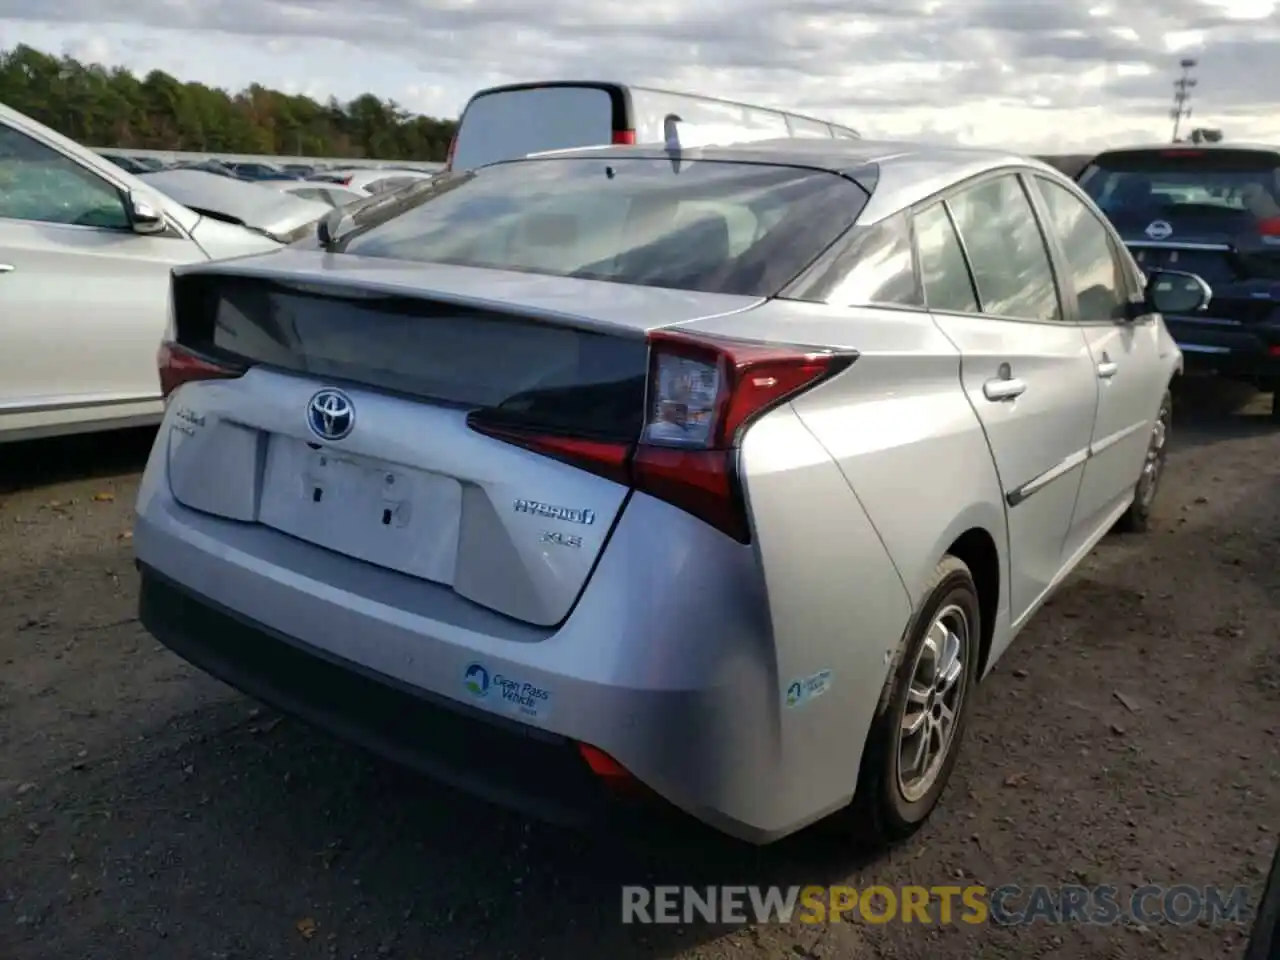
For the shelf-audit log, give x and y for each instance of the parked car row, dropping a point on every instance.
(605, 466)
(332, 185)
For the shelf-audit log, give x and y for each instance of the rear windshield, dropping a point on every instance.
(1176, 182)
(708, 226)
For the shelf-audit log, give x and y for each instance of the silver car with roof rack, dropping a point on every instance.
(709, 479)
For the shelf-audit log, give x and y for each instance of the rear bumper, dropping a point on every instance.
(1228, 346)
(507, 763)
(668, 664)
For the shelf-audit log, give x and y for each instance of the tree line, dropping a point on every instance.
(111, 107)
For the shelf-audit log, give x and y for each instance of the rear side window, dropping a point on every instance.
(943, 270)
(708, 226)
(873, 266)
(1096, 275)
(1182, 184)
(1010, 262)
(508, 124)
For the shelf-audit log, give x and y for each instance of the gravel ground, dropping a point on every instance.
(1131, 735)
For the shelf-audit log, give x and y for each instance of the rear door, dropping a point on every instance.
(1025, 367)
(1131, 372)
(509, 122)
(1212, 211)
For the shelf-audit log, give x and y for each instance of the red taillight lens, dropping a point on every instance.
(179, 365)
(1269, 227)
(702, 394)
(601, 764)
(448, 157)
(624, 136)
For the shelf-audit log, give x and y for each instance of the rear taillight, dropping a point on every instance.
(702, 395)
(1269, 227)
(178, 365)
(448, 157)
(624, 136)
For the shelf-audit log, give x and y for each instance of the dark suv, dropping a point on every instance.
(1212, 210)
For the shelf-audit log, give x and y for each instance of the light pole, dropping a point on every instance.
(1182, 88)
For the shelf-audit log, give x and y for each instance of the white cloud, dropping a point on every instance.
(1026, 73)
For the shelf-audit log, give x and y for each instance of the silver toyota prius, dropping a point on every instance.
(710, 479)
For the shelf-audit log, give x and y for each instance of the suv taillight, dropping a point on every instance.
(702, 393)
(178, 365)
(1269, 227)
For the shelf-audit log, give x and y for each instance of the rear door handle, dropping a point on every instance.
(1107, 369)
(1004, 388)
(6, 268)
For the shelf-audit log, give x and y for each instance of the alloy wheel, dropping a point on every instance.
(935, 695)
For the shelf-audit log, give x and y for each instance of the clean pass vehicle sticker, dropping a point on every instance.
(800, 692)
(506, 693)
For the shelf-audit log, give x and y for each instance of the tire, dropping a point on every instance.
(1275, 407)
(1137, 519)
(891, 802)
(1264, 941)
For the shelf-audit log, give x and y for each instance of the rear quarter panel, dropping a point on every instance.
(898, 425)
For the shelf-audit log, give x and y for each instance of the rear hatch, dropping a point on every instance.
(387, 469)
(1212, 211)
(387, 375)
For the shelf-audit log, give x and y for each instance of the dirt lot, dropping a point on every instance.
(1132, 735)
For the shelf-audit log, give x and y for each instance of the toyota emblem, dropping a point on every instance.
(331, 415)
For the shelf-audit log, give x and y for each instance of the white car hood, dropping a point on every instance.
(262, 209)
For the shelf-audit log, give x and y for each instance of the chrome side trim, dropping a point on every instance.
(1201, 348)
(1171, 245)
(1206, 321)
(87, 403)
(1056, 472)
(1112, 439)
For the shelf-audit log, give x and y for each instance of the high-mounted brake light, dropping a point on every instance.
(179, 365)
(1269, 227)
(624, 137)
(1182, 153)
(703, 394)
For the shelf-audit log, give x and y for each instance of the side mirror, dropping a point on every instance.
(1172, 291)
(144, 216)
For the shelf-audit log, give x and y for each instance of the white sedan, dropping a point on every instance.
(85, 254)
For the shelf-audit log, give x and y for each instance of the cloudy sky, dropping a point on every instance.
(1036, 74)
